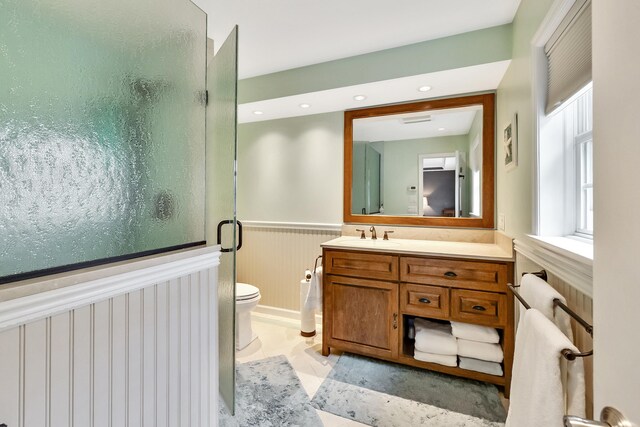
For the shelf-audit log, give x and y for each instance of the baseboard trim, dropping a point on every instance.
(282, 316)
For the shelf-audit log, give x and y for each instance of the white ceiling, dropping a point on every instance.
(444, 83)
(276, 35)
(449, 122)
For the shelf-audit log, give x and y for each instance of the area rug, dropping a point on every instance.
(269, 394)
(379, 393)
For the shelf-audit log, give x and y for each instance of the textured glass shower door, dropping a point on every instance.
(102, 132)
(222, 78)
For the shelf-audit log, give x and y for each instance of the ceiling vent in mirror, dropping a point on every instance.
(419, 119)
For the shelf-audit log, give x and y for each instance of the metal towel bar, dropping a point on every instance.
(315, 267)
(568, 354)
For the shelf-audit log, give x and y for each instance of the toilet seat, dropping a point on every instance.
(246, 292)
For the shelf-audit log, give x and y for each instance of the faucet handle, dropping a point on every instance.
(386, 232)
(362, 236)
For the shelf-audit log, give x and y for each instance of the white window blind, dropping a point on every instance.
(568, 54)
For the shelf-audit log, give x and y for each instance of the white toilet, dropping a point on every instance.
(247, 297)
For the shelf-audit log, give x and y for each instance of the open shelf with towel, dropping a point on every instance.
(369, 296)
(408, 352)
(460, 372)
(408, 356)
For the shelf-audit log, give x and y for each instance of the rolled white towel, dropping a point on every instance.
(435, 337)
(471, 332)
(440, 359)
(443, 326)
(491, 368)
(480, 350)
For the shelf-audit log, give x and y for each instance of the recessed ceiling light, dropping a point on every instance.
(257, 113)
(441, 129)
(424, 88)
(360, 97)
(305, 105)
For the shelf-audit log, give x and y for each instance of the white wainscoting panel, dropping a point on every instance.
(274, 257)
(143, 355)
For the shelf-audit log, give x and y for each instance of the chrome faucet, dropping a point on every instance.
(374, 236)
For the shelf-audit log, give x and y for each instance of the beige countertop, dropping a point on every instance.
(470, 250)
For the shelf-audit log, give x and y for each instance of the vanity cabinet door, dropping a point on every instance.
(361, 315)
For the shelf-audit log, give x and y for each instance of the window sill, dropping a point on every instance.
(570, 259)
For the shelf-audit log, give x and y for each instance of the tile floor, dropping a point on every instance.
(282, 336)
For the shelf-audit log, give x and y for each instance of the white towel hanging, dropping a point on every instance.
(314, 297)
(540, 295)
(537, 392)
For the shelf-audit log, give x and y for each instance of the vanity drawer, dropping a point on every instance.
(422, 300)
(452, 273)
(483, 308)
(357, 264)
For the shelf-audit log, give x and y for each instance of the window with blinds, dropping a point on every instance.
(568, 53)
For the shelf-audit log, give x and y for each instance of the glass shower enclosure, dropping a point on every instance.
(108, 149)
(102, 132)
(221, 200)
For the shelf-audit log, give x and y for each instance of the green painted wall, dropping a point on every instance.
(515, 188)
(462, 50)
(290, 170)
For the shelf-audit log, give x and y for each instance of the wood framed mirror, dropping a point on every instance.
(427, 163)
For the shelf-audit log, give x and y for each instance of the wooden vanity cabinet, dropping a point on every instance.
(368, 298)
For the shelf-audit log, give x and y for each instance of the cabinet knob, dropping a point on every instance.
(479, 308)
(425, 300)
(450, 274)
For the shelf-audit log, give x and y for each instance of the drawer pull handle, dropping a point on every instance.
(395, 320)
(479, 308)
(425, 300)
(450, 274)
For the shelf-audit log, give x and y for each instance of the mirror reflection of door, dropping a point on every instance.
(387, 180)
(442, 184)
